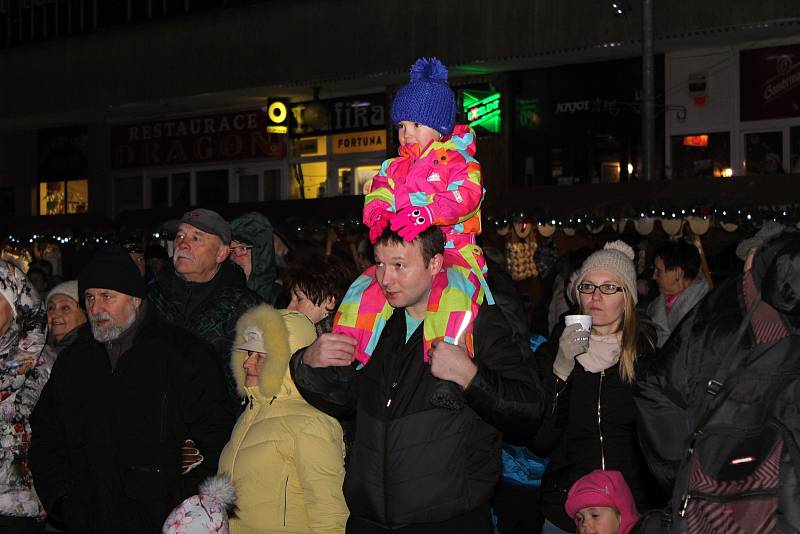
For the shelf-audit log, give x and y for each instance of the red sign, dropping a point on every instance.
(177, 141)
(695, 140)
(770, 83)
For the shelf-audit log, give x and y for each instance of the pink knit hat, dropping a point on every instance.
(604, 488)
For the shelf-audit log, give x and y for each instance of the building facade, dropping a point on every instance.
(108, 107)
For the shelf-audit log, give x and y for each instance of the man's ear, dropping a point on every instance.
(435, 265)
(223, 252)
(137, 303)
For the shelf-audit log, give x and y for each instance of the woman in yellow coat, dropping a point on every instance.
(285, 457)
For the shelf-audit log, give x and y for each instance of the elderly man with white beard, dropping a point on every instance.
(110, 426)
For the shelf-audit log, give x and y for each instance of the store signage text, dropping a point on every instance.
(482, 109)
(220, 137)
(373, 141)
(338, 115)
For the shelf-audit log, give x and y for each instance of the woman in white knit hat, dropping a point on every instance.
(592, 424)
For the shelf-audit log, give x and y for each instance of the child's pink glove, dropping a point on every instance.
(410, 222)
(379, 224)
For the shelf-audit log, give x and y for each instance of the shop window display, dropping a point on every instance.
(701, 154)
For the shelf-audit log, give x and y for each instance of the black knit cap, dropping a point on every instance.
(112, 268)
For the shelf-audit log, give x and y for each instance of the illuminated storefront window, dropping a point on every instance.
(58, 198)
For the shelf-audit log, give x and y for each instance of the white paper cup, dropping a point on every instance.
(584, 320)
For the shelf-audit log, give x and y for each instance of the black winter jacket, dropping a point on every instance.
(106, 446)
(591, 424)
(671, 395)
(208, 310)
(412, 462)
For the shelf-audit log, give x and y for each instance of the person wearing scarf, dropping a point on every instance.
(592, 423)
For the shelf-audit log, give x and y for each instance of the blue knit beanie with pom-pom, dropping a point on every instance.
(427, 98)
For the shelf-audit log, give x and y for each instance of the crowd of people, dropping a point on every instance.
(235, 387)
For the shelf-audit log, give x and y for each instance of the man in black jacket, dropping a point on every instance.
(415, 466)
(203, 292)
(108, 431)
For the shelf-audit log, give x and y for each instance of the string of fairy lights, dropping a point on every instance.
(729, 218)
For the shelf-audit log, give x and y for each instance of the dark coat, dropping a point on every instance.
(671, 396)
(208, 310)
(412, 462)
(106, 446)
(572, 431)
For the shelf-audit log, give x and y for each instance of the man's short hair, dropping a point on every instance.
(431, 240)
(680, 254)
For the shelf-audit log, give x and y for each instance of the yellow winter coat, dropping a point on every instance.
(285, 457)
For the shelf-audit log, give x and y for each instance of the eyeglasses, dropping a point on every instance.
(240, 250)
(605, 289)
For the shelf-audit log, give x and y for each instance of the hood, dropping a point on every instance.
(604, 488)
(776, 272)
(462, 140)
(284, 333)
(255, 229)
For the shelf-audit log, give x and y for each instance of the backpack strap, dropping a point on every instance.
(733, 358)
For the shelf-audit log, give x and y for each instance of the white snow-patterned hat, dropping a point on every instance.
(205, 513)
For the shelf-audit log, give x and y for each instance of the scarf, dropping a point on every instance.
(603, 352)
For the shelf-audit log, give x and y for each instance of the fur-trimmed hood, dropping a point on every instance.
(284, 333)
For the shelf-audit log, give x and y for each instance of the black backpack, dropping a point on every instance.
(741, 472)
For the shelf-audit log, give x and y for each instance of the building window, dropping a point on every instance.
(58, 198)
(763, 153)
(701, 155)
(308, 180)
(794, 150)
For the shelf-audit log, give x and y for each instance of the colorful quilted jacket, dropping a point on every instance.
(445, 176)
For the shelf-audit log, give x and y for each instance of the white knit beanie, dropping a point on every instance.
(616, 257)
(68, 288)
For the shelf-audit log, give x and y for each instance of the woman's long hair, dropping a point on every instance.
(630, 339)
(631, 330)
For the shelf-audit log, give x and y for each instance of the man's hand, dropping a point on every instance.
(330, 350)
(452, 362)
(190, 456)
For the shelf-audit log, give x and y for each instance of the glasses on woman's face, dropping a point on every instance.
(240, 250)
(605, 289)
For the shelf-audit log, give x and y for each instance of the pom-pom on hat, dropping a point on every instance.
(616, 257)
(205, 513)
(427, 98)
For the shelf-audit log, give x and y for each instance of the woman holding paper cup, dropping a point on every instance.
(592, 423)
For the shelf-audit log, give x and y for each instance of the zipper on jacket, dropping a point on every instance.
(251, 402)
(391, 393)
(722, 499)
(285, 491)
(600, 421)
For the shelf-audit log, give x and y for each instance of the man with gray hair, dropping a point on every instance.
(110, 427)
(203, 292)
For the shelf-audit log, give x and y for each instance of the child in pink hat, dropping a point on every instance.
(601, 503)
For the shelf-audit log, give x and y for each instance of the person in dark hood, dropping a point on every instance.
(252, 249)
(670, 395)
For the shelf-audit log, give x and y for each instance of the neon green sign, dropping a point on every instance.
(483, 110)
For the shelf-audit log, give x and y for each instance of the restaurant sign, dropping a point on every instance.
(770, 83)
(177, 141)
